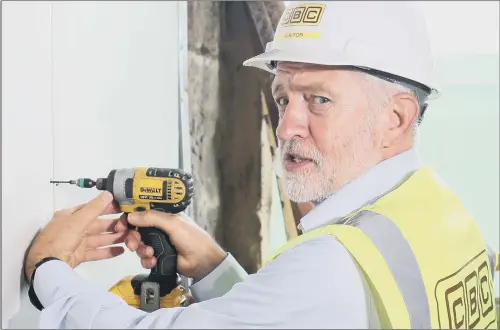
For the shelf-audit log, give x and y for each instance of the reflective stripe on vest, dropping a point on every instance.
(401, 260)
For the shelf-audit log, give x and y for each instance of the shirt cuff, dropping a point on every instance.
(219, 281)
(55, 279)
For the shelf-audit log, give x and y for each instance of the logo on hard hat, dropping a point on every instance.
(302, 15)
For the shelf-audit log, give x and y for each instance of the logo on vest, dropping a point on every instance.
(465, 299)
(308, 14)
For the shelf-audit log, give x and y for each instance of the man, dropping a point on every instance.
(387, 244)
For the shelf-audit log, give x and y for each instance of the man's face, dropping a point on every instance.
(327, 130)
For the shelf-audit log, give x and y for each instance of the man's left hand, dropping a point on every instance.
(76, 235)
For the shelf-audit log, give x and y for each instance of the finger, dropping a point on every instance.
(161, 220)
(184, 217)
(145, 251)
(95, 241)
(112, 208)
(72, 210)
(104, 253)
(104, 226)
(96, 207)
(148, 263)
(123, 224)
(132, 240)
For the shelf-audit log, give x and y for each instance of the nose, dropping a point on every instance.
(294, 122)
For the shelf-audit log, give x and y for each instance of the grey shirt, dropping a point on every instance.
(315, 284)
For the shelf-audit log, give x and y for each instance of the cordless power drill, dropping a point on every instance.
(141, 189)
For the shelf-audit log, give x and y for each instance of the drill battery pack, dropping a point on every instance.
(125, 290)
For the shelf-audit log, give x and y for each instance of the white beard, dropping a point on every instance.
(320, 181)
(311, 185)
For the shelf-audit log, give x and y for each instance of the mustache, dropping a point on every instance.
(298, 149)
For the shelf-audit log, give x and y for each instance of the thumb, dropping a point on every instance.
(93, 209)
(161, 220)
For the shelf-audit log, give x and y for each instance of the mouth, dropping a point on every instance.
(293, 162)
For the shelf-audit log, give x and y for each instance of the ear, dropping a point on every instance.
(402, 115)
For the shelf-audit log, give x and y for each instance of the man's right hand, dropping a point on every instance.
(198, 253)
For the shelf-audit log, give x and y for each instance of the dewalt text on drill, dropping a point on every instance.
(141, 189)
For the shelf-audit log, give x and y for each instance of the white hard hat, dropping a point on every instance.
(388, 39)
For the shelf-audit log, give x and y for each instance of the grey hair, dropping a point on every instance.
(385, 90)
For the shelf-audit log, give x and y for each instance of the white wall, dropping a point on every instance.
(27, 198)
(87, 87)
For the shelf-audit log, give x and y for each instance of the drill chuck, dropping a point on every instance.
(85, 183)
(100, 183)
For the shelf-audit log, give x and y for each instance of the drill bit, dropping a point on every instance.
(82, 183)
(58, 182)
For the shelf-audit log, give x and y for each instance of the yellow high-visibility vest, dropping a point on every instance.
(423, 256)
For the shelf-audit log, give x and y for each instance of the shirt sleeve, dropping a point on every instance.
(219, 281)
(316, 284)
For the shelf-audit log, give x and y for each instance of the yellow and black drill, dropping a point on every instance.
(141, 189)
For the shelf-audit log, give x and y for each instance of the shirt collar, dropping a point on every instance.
(363, 190)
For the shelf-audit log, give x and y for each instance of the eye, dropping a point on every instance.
(319, 104)
(320, 100)
(281, 104)
(282, 101)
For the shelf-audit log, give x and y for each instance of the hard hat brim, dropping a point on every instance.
(262, 61)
